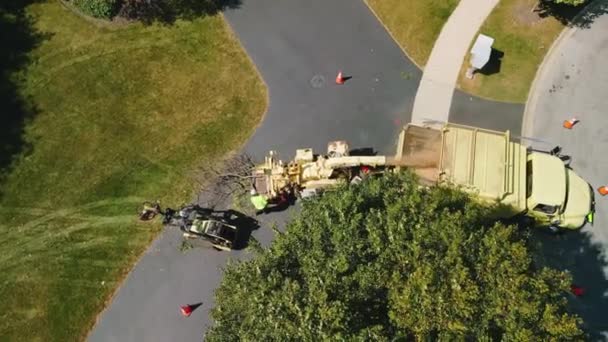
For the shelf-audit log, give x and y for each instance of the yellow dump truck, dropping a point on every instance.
(484, 162)
(490, 165)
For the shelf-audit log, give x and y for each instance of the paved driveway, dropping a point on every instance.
(298, 47)
(574, 82)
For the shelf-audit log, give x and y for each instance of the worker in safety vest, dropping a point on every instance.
(260, 202)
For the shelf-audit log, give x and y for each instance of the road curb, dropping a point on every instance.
(232, 33)
(371, 9)
(527, 126)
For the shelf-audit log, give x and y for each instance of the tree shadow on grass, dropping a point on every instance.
(576, 253)
(168, 11)
(17, 39)
(574, 16)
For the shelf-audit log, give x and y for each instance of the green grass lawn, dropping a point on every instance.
(414, 24)
(120, 115)
(524, 39)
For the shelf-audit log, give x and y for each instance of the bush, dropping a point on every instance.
(145, 11)
(104, 9)
(170, 10)
(149, 11)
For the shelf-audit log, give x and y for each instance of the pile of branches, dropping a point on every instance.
(227, 180)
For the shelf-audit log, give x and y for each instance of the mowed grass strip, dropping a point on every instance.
(525, 39)
(120, 116)
(414, 24)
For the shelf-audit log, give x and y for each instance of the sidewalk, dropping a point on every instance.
(434, 96)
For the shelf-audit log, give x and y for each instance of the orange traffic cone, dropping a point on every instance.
(570, 123)
(603, 190)
(340, 79)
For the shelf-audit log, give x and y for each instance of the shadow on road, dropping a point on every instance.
(363, 152)
(245, 225)
(17, 38)
(576, 253)
(574, 16)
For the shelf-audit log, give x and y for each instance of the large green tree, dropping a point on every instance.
(390, 259)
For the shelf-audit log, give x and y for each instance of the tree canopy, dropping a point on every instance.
(389, 259)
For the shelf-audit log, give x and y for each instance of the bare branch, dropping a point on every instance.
(218, 183)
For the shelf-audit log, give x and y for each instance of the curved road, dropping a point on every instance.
(573, 82)
(298, 47)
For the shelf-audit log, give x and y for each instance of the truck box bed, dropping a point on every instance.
(482, 161)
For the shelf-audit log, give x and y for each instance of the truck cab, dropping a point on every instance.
(555, 195)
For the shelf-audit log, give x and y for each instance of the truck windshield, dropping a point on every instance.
(547, 209)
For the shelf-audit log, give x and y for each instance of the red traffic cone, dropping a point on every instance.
(340, 79)
(186, 310)
(577, 290)
(603, 190)
(570, 123)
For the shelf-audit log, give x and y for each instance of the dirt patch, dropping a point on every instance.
(526, 13)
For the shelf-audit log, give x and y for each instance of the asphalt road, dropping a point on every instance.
(298, 47)
(573, 83)
(474, 111)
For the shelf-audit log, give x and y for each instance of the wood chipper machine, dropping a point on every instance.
(308, 173)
